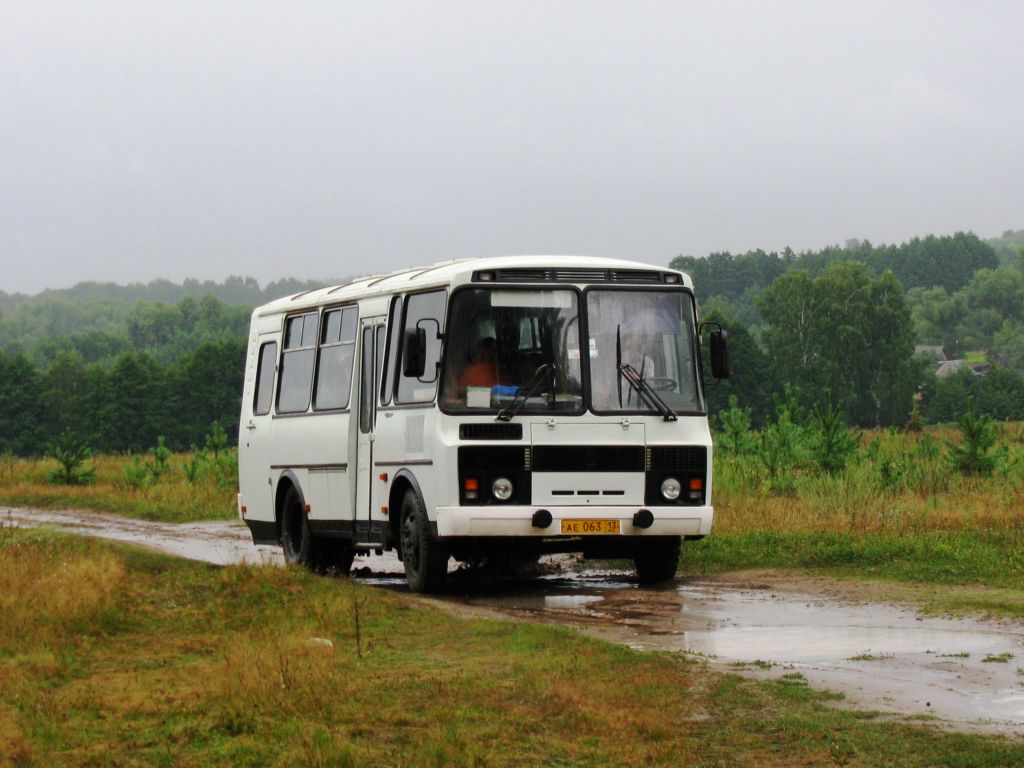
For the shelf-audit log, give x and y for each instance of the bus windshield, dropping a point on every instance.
(518, 350)
(639, 340)
(513, 348)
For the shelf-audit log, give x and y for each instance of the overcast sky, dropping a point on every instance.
(197, 139)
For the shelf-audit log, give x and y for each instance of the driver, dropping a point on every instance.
(633, 354)
(483, 371)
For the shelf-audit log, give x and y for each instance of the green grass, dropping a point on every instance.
(122, 488)
(115, 656)
(994, 558)
(940, 571)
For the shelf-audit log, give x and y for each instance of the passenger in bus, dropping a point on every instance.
(483, 371)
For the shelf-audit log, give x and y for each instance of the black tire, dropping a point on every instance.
(301, 547)
(657, 558)
(296, 537)
(425, 559)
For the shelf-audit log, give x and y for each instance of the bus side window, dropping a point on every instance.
(265, 379)
(296, 379)
(336, 355)
(366, 383)
(430, 307)
(394, 326)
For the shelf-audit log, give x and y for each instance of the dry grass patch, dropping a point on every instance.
(14, 750)
(52, 598)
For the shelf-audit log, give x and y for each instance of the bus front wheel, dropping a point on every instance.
(425, 559)
(657, 558)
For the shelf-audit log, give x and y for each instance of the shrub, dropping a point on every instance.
(217, 439)
(972, 456)
(735, 421)
(777, 451)
(72, 458)
(831, 444)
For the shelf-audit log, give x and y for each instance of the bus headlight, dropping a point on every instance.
(502, 489)
(671, 488)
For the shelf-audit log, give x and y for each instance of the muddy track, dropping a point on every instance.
(968, 673)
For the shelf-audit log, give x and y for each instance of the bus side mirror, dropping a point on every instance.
(428, 332)
(720, 353)
(414, 361)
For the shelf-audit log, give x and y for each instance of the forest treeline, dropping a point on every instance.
(126, 406)
(120, 366)
(234, 290)
(100, 321)
(840, 326)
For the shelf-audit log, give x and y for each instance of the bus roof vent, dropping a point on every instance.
(573, 275)
(581, 275)
(521, 276)
(636, 276)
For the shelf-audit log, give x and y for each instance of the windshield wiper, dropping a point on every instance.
(505, 414)
(646, 392)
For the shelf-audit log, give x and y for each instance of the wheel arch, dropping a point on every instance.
(285, 481)
(404, 481)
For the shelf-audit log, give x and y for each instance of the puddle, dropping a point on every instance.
(881, 657)
(221, 542)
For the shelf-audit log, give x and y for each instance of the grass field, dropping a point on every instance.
(898, 510)
(193, 487)
(115, 656)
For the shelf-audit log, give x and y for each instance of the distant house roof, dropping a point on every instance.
(932, 350)
(949, 367)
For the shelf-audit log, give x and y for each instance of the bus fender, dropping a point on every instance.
(402, 478)
(286, 478)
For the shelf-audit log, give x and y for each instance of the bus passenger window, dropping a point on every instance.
(296, 377)
(336, 355)
(265, 379)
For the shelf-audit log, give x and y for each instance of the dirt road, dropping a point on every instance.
(968, 673)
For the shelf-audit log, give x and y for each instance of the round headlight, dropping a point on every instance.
(502, 489)
(670, 488)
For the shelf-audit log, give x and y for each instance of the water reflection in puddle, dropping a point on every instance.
(880, 656)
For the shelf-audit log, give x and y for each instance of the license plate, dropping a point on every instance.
(577, 527)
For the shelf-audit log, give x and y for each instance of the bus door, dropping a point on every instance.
(254, 436)
(371, 340)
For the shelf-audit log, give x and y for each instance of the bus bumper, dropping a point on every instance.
(496, 520)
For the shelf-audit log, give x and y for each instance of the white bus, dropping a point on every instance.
(497, 408)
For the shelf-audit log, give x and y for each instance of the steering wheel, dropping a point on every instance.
(661, 383)
(540, 369)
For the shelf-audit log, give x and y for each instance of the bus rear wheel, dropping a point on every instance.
(301, 547)
(296, 537)
(657, 558)
(425, 559)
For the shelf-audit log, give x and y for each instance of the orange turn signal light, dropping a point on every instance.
(471, 484)
(696, 483)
